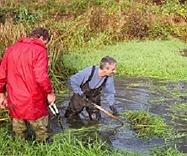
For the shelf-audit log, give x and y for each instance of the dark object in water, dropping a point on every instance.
(184, 52)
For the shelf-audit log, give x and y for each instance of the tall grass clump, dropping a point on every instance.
(10, 33)
(4, 118)
(147, 125)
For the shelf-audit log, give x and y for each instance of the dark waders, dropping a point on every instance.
(77, 103)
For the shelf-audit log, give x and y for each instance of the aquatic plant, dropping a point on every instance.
(172, 151)
(147, 125)
(158, 59)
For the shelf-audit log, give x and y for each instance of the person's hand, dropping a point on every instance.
(113, 109)
(84, 98)
(51, 98)
(88, 103)
(3, 100)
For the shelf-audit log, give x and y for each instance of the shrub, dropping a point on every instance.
(23, 15)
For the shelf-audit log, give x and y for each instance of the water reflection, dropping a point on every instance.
(165, 98)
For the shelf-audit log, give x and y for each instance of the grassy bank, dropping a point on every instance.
(159, 59)
(65, 144)
(70, 143)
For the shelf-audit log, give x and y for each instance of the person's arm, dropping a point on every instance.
(109, 94)
(3, 80)
(79, 78)
(3, 73)
(109, 90)
(41, 75)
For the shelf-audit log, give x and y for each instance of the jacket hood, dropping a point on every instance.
(35, 41)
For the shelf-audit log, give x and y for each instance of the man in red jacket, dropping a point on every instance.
(24, 75)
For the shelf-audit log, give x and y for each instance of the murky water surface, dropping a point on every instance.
(165, 98)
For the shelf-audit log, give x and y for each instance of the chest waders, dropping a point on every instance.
(78, 103)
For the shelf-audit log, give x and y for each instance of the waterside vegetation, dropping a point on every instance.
(91, 24)
(146, 38)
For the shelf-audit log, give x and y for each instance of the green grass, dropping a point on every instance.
(75, 24)
(166, 152)
(148, 125)
(65, 144)
(179, 113)
(69, 143)
(159, 59)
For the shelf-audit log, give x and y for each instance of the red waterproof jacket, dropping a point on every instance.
(24, 74)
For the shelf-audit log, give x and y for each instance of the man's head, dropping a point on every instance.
(108, 65)
(40, 33)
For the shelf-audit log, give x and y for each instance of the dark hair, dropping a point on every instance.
(107, 60)
(38, 32)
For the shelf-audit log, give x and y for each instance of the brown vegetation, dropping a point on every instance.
(74, 24)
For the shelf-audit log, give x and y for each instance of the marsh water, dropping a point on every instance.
(164, 98)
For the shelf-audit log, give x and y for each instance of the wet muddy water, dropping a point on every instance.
(165, 98)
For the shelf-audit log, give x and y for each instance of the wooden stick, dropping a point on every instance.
(107, 112)
(3, 119)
